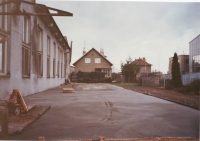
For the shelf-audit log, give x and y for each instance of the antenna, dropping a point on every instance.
(84, 44)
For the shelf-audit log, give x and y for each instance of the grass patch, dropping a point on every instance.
(125, 84)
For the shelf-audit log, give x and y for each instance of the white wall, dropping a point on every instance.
(33, 84)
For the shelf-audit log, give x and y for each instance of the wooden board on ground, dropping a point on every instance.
(67, 90)
(30, 107)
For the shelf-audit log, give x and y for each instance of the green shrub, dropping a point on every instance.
(191, 88)
(108, 80)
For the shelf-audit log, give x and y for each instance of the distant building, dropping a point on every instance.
(194, 53)
(94, 61)
(144, 66)
(183, 62)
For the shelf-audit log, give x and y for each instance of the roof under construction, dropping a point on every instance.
(40, 10)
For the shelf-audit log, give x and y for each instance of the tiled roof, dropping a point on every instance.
(98, 53)
(141, 62)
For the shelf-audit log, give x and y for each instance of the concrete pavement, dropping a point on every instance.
(95, 110)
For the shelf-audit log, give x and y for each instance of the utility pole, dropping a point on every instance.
(164, 80)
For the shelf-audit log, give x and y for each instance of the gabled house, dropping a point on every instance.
(145, 67)
(94, 61)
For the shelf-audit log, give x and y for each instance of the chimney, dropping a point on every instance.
(144, 59)
(84, 51)
(102, 51)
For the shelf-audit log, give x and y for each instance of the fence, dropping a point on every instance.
(164, 79)
(187, 78)
(152, 81)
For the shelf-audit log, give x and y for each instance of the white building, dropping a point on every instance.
(34, 55)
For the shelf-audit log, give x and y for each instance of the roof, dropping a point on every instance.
(49, 20)
(194, 38)
(141, 62)
(89, 52)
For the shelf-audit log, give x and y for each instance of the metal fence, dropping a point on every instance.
(164, 79)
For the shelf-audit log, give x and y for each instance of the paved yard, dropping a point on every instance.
(95, 110)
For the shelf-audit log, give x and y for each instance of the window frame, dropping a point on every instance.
(87, 60)
(4, 46)
(97, 60)
(54, 60)
(25, 62)
(40, 39)
(40, 51)
(26, 29)
(58, 63)
(48, 56)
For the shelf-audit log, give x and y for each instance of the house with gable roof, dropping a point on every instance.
(94, 61)
(145, 67)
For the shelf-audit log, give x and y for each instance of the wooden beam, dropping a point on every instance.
(4, 123)
(50, 25)
(56, 33)
(35, 14)
(60, 40)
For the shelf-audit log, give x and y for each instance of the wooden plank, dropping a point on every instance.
(4, 118)
(30, 107)
(67, 90)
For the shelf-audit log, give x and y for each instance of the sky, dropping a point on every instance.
(151, 29)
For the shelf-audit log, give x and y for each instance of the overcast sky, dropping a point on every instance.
(154, 30)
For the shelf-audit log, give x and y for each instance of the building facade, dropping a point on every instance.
(194, 52)
(144, 66)
(94, 61)
(183, 62)
(34, 55)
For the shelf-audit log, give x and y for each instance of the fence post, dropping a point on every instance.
(4, 123)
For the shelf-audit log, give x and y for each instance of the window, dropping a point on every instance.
(3, 18)
(3, 55)
(97, 60)
(39, 39)
(87, 60)
(196, 63)
(187, 61)
(61, 63)
(48, 67)
(25, 62)
(48, 56)
(58, 64)
(40, 53)
(48, 45)
(54, 60)
(40, 65)
(26, 30)
(107, 72)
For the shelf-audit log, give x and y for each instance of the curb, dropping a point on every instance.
(169, 100)
(19, 131)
